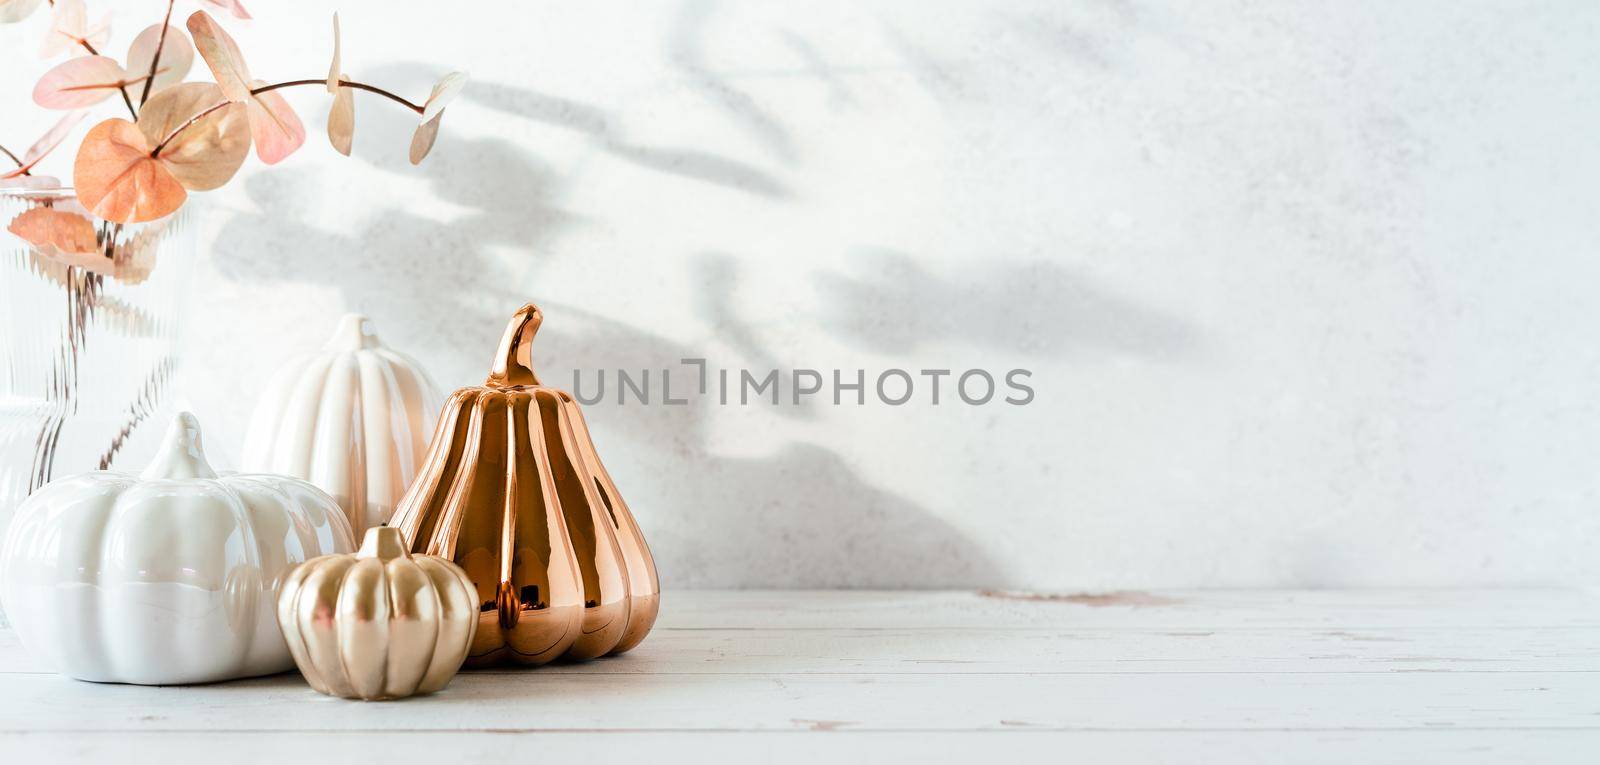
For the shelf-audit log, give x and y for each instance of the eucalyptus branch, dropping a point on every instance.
(161, 42)
(213, 124)
(203, 113)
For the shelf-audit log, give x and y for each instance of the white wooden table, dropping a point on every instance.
(1214, 676)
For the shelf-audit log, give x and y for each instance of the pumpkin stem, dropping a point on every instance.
(383, 543)
(354, 333)
(180, 454)
(513, 364)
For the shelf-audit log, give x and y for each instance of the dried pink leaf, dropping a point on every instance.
(55, 232)
(117, 179)
(69, 29)
(95, 261)
(333, 70)
(177, 56)
(422, 140)
(30, 182)
(68, 18)
(133, 259)
(203, 155)
(274, 126)
(98, 35)
(47, 143)
(231, 6)
(443, 93)
(222, 55)
(12, 11)
(80, 82)
(342, 120)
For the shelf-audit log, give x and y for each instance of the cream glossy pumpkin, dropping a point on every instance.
(166, 577)
(380, 624)
(353, 418)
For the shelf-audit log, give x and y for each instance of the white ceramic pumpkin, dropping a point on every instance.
(354, 419)
(167, 577)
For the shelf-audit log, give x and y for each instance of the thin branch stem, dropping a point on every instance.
(188, 123)
(13, 157)
(132, 112)
(346, 84)
(161, 42)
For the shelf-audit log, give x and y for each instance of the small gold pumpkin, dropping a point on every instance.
(513, 491)
(379, 624)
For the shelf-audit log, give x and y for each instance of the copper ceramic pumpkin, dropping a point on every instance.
(512, 491)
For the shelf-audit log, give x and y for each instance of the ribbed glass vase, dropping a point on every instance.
(90, 344)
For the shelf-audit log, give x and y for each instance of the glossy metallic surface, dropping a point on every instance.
(644, 590)
(379, 624)
(514, 493)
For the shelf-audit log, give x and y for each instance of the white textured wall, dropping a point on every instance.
(1307, 288)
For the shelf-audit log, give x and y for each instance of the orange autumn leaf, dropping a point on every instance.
(274, 126)
(222, 55)
(206, 154)
(47, 143)
(177, 56)
(422, 140)
(117, 179)
(55, 232)
(342, 121)
(80, 82)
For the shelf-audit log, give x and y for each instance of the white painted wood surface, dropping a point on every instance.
(1334, 676)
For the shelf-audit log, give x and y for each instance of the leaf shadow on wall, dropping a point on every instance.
(685, 162)
(501, 200)
(1037, 309)
(686, 52)
(719, 275)
(799, 517)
